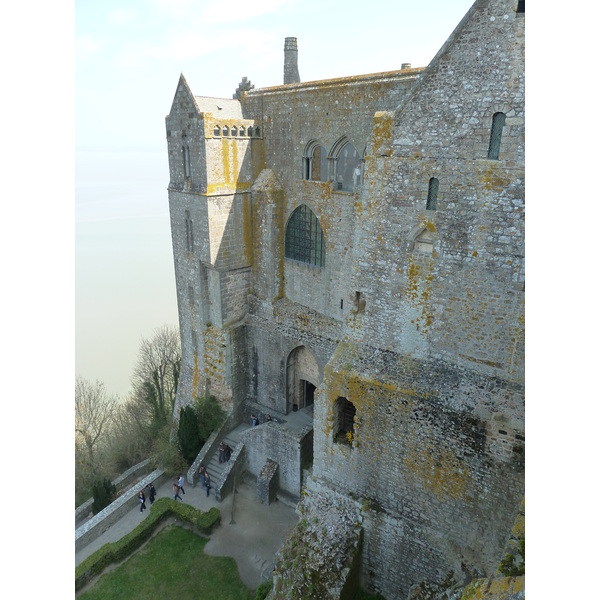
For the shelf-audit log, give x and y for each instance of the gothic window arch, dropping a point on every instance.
(304, 239)
(314, 162)
(217, 131)
(347, 165)
(498, 121)
(432, 193)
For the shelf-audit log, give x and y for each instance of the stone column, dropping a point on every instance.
(290, 65)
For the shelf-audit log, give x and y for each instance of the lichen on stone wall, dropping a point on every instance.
(320, 555)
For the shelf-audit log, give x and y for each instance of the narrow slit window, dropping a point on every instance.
(189, 232)
(186, 162)
(432, 194)
(496, 135)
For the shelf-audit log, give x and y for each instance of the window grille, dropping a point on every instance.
(304, 240)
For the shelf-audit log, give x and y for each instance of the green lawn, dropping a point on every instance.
(172, 565)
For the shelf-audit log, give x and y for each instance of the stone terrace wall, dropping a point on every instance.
(99, 523)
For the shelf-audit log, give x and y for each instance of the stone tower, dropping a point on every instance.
(290, 65)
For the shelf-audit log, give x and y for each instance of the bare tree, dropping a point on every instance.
(156, 374)
(94, 413)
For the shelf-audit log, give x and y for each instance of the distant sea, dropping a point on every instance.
(124, 274)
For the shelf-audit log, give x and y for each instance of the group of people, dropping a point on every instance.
(256, 422)
(205, 478)
(224, 452)
(142, 497)
(178, 487)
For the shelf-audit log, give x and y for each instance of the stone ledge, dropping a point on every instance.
(107, 517)
(82, 511)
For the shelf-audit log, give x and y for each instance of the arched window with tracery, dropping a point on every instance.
(347, 165)
(304, 239)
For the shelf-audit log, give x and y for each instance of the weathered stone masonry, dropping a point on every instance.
(408, 332)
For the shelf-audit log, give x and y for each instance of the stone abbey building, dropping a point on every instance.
(352, 250)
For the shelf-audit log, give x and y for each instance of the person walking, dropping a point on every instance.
(227, 452)
(180, 483)
(176, 492)
(202, 472)
(152, 492)
(207, 484)
(221, 452)
(142, 499)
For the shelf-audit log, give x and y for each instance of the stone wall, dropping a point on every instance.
(121, 482)
(100, 522)
(416, 319)
(269, 441)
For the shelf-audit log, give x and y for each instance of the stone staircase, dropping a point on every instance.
(214, 468)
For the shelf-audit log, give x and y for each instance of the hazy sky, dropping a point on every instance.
(129, 54)
(128, 58)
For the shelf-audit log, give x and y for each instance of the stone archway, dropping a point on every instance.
(302, 378)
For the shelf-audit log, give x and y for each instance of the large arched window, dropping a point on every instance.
(304, 240)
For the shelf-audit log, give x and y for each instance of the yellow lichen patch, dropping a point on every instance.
(438, 470)
(501, 588)
(382, 137)
(429, 225)
(491, 178)
(225, 162)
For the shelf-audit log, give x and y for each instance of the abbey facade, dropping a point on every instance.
(353, 250)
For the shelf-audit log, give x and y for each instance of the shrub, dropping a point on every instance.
(113, 552)
(103, 492)
(210, 417)
(263, 589)
(188, 434)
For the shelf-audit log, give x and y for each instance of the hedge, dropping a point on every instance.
(163, 508)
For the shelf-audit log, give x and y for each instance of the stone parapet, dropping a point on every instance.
(99, 523)
(267, 482)
(121, 482)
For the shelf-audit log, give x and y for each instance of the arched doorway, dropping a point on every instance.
(302, 378)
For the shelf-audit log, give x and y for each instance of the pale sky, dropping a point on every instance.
(102, 74)
(129, 54)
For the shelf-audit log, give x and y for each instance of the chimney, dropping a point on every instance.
(290, 65)
(405, 66)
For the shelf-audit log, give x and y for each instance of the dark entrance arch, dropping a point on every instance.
(302, 378)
